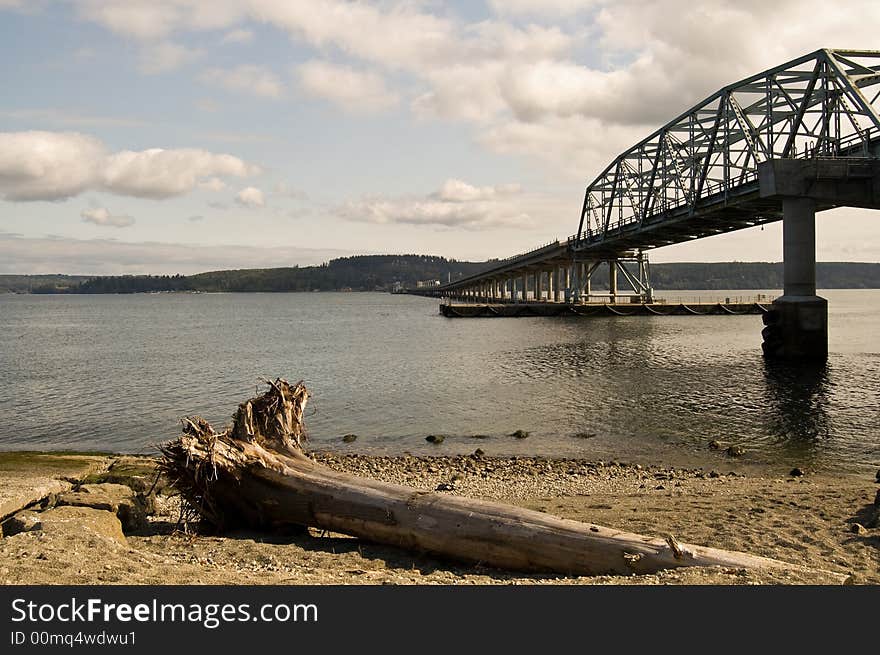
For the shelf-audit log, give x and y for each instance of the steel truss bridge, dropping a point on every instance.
(809, 128)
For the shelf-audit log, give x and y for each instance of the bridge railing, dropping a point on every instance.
(533, 251)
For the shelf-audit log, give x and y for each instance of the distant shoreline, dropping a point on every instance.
(387, 272)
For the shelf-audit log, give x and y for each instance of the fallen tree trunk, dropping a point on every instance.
(256, 474)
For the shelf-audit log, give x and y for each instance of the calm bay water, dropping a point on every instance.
(117, 372)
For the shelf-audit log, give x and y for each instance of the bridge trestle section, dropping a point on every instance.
(564, 280)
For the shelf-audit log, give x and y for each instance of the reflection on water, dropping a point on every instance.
(799, 395)
(117, 372)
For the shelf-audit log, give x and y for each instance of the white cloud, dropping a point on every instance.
(253, 80)
(456, 204)
(48, 165)
(397, 35)
(213, 184)
(466, 92)
(102, 217)
(158, 173)
(351, 89)
(577, 146)
(609, 65)
(165, 56)
(156, 19)
(238, 36)
(457, 191)
(534, 8)
(58, 165)
(250, 197)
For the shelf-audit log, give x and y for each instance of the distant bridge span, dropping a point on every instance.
(780, 145)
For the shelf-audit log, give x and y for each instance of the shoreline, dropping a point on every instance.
(806, 520)
(680, 455)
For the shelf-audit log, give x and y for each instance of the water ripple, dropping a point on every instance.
(118, 372)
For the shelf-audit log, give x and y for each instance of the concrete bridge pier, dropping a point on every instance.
(566, 273)
(797, 326)
(612, 280)
(576, 273)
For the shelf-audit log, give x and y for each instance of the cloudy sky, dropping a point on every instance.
(186, 135)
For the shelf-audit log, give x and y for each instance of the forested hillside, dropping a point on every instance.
(383, 272)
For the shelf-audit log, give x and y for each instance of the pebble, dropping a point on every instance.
(796, 472)
(435, 438)
(858, 528)
(736, 451)
(511, 478)
(714, 445)
(349, 438)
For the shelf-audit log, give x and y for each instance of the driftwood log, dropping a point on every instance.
(257, 474)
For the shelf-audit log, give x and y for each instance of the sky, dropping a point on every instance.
(177, 136)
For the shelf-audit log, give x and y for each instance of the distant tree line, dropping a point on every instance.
(383, 272)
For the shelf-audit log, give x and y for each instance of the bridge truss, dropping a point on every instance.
(824, 104)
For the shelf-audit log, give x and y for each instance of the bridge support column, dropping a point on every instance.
(525, 286)
(556, 285)
(566, 273)
(612, 280)
(539, 285)
(588, 282)
(577, 271)
(550, 285)
(797, 326)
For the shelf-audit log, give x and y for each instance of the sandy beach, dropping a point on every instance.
(817, 521)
